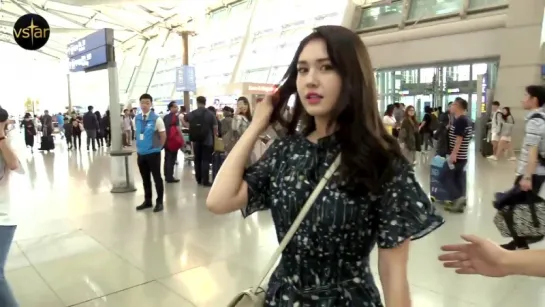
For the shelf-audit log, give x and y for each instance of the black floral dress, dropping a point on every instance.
(326, 264)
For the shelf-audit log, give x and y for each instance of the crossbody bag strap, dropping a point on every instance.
(300, 217)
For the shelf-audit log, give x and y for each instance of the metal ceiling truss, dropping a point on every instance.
(61, 15)
(8, 40)
(143, 33)
(225, 3)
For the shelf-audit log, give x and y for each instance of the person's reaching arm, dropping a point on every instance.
(483, 257)
(5, 150)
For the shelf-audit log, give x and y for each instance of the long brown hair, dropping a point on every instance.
(411, 118)
(248, 113)
(368, 150)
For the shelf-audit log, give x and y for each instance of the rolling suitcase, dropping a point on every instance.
(217, 161)
(486, 148)
(47, 143)
(437, 191)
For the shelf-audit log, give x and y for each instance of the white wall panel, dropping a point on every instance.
(455, 41)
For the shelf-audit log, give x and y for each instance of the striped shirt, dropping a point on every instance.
(461, 126)
(534, 135)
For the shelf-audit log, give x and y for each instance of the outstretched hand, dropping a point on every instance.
(479, 256)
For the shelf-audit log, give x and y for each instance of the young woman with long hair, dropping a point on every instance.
(372, 198)
(242, 118)
(407, 135)
(389, 120)
(100, 131)
(506, 123)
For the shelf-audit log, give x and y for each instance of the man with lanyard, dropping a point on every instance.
(150, 138)
(460, 134)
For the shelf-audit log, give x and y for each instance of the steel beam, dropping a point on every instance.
(138, 32)
(142, 55)
(39, 51)
(157, 62)
(50, 48)
(237, 71)
(151, 27)
(22, 8)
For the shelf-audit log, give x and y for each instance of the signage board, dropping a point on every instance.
(92, 58)
(90, 42)
(261, 88)
(185, 79)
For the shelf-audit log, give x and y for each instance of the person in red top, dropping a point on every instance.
(171, 153)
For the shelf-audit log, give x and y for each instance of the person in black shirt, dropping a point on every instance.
(30, 131)
(460, 133)
(203, 126)
(425, 128)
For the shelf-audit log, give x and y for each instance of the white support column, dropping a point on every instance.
(236, 70)
(521, 56)
(405, 12)
(465, 8)
(142, 56)
(351, 15)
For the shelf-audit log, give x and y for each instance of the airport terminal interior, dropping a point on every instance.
(79, 244)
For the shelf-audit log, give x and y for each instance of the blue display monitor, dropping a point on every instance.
(85, 61)
(99, 38)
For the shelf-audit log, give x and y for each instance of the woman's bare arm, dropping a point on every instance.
(392, 266)
(229, 191)
(7, 153)
(525, 262)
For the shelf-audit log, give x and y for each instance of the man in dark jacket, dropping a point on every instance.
(91, 126)
(47, 124)
(171, 156)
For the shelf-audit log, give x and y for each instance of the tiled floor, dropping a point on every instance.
(79, 245)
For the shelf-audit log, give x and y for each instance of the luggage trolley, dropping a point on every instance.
(437, 190)
(188, 148)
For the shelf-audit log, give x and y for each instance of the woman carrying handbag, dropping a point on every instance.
(328, 219)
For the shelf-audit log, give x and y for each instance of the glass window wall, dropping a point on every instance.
(385, 15)
(479, 4)
(421, 9)
(434, 86)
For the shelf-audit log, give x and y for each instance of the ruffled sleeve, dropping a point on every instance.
(404, 210)
(259, 176)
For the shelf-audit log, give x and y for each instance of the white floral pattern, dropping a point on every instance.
(327, 262)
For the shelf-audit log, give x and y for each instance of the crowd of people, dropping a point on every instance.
(69, 126)
(370, 198)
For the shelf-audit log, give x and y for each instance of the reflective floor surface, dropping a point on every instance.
(79, 245)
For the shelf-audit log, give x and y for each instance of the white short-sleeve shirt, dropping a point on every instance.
(159, 123)
(389, 120)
